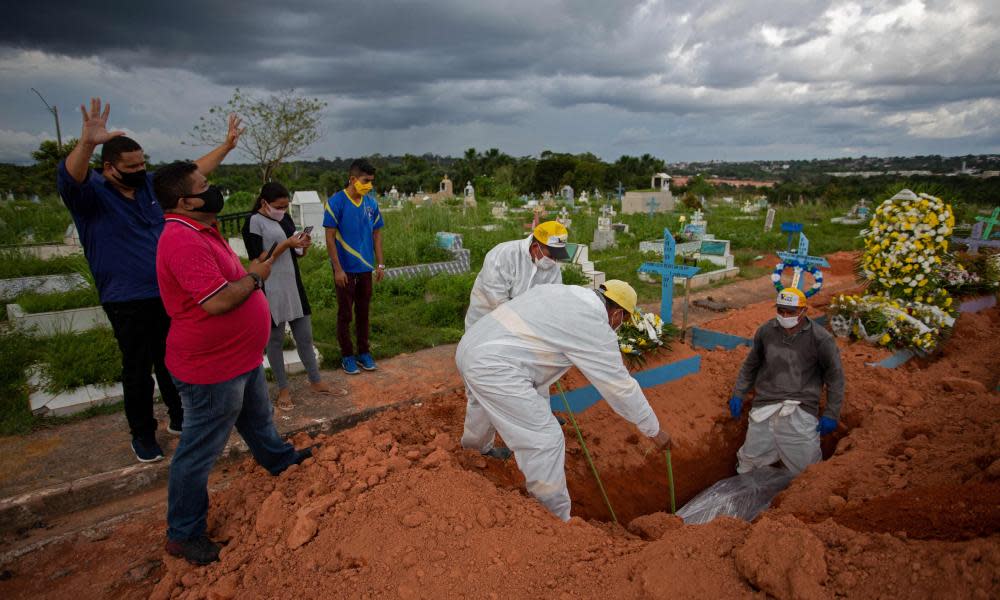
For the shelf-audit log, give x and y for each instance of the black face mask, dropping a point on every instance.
(134, 180)
(213, 200)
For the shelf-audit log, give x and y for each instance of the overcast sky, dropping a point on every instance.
(686, 80)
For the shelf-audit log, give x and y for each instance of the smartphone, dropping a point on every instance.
(271, 251)
(307, 230)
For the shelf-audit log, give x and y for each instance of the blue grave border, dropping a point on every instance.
(583, 398)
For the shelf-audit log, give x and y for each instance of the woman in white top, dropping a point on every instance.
(268, 224)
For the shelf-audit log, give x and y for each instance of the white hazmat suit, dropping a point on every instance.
(508, 271)
(509, 359)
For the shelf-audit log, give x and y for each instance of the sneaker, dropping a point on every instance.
(303, 454)
(367, 362)
(499, 453)
(174, 428)
(147, 450)
(350, 365)
(199, 551)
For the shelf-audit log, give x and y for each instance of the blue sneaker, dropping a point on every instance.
(367, 362)
(147, 450)
(350, 365)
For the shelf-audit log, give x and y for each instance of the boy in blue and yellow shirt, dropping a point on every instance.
(354, 242)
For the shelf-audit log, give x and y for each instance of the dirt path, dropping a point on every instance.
(906, 504)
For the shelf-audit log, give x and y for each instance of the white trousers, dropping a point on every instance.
(500, 400)
(789, 435)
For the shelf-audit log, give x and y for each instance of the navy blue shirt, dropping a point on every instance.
(118, 234)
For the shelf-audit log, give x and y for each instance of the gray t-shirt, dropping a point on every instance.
(280, 288)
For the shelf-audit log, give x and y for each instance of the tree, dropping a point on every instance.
(48, 154)
(277, 128)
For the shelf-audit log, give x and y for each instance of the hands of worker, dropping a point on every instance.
(735, 406)
(260, 266)
(663, 439)
(234, 131)
(95, 124)
(826, 425)
(340, 278)
(379, 273)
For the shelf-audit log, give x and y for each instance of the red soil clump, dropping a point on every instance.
(905, 505)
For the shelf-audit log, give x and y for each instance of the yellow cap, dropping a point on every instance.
(791, 296)
(621, 294)
(553, 234)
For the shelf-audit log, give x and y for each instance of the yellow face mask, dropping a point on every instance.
(362, 188)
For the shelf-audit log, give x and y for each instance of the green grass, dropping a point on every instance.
(16, 264)
(26, 222)
(69, 360)
(33, 302)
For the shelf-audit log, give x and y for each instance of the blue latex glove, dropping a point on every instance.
(735, 406)
(826, 425)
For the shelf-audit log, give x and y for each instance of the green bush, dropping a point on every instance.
(33, 302)
(573, 275)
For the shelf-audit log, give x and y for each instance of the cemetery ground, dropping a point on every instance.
(907, 502)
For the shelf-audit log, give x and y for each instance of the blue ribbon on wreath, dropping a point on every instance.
(813, 270)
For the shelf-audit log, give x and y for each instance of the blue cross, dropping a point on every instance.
(652, 205)
(800, 259)
(977, 240)
(668, 270)
(791, 229)
(621, 191)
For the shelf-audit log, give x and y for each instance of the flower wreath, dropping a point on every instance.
(811, 269)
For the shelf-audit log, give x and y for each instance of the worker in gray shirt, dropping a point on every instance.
(790, 361)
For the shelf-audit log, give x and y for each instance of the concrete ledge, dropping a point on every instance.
(51, 323)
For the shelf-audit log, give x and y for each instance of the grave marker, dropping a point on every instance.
(769, 220)
(667, 271)
(977, 240)
(652, 205)
(801, 261)
(990, 222)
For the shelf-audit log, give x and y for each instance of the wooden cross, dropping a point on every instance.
(668, 270)
(800, 260)
(977, 240)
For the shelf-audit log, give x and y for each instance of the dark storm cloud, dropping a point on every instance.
(828, 73)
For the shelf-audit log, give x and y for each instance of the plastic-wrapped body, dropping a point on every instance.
(743, 496)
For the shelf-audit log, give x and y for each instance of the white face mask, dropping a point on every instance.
(545, 263)
(788, 322)
(275, 213)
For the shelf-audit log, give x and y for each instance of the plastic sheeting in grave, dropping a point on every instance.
(743, 496)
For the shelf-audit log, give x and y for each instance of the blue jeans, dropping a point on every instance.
(210, 411)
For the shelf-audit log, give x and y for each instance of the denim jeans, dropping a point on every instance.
(210, 411)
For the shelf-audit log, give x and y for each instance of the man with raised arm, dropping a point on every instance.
(119, 221)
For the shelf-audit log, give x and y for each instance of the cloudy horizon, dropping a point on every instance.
(680, 80)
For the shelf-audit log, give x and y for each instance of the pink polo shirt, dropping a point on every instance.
(193, 263)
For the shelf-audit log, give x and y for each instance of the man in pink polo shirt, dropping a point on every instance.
(220, 323)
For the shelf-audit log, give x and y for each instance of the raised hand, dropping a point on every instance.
(95, 124)
(234, 131)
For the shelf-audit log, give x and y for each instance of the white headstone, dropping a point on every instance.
(564, 217)
(307, 209)
(769, 220)
(567, 195)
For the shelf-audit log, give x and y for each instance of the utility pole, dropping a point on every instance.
(55, 113)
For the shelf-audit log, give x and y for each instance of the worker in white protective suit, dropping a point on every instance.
(790, 362)
(512, 268)
(524, 346)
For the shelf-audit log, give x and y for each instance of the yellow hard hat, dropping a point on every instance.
(791, 296)
(621, 294)
(554, 235)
